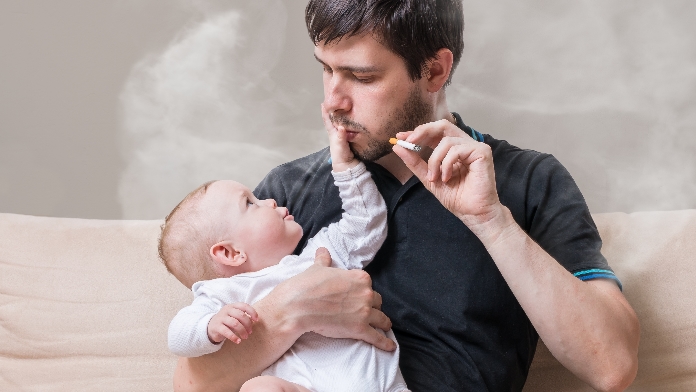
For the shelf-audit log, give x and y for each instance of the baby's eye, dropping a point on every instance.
(249, 202)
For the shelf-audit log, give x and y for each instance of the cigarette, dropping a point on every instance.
(405, 144)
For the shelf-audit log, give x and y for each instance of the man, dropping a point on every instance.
(484, 238)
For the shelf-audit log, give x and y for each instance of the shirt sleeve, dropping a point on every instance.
(354, 240)
(560, 221)
(188, 331)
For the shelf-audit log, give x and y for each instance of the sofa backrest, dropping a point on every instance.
(85, 304)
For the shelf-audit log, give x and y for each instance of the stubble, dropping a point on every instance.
(413, 113)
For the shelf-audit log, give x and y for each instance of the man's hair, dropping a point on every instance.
(413, 29)
(185, 240)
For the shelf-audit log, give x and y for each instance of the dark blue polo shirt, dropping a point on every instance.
(458, 324)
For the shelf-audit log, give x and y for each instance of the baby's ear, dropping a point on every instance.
(225, 253)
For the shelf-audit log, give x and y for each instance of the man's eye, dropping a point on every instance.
(328, 70)
(364, 79)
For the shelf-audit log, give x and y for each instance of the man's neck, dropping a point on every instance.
(398, 168)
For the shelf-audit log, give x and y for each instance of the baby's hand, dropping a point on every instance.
(342, 157)
(232, 322)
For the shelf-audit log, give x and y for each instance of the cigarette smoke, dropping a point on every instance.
(607, 87)
(207, 107)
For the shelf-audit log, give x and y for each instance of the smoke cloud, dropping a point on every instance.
(207, 107)
(607, 87)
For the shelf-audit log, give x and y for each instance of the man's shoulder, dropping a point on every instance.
(520, 163)
(311, 163)
(305, 170)
(504, 151)
(505, 155)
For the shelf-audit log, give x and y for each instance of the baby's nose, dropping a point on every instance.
(271, 203)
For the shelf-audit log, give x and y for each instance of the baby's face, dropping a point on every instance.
(264, 231)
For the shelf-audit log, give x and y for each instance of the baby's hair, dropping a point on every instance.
(185, 240)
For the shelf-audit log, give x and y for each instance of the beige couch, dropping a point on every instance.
(85, 304)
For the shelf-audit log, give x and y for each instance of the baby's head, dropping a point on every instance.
(220, 230)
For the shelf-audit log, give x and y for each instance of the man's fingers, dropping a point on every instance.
(454, 160)
(448, 162)
(403, 135)
(431, 133)
(379, 320)
(322, 257)
(413, 161)
(372, 334)
(380, 341)
(376, 300)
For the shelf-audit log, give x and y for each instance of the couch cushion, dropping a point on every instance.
(654, 255)
(84, 305)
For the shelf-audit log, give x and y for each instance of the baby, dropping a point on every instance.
(232, 250)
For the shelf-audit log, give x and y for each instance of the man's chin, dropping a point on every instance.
(372, 153)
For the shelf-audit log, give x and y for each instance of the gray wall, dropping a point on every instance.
(116, 109)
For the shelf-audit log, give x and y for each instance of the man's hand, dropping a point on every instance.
(336, 303)
(232, 322)
(459, 171)
(342, 157)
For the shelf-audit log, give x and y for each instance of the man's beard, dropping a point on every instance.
(415, 112)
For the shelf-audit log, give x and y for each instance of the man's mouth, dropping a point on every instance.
(350, 135)
(352, 128)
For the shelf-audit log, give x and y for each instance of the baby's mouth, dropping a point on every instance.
(287, 216)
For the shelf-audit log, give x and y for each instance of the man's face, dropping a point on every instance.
(367, 90)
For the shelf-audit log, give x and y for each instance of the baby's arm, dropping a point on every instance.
(342, 157)
(355, 239)
(199, 328)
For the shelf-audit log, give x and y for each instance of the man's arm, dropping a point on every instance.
(332, 302)
(588, 326)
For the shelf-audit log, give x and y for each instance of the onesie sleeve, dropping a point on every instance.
(188, 331)
(354, 240)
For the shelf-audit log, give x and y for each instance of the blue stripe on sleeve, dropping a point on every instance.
(596, 273)
(476, 135)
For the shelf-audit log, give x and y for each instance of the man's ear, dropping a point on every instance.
(437, 69)
(226, 254)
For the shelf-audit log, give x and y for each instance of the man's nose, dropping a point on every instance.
(336, 96)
